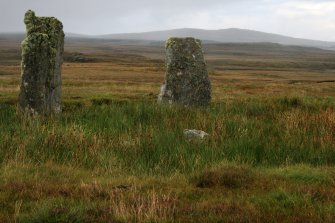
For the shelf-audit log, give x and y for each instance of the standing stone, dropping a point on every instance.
(187, 81)
(42, 58)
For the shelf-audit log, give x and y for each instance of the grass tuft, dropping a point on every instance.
(232, 177)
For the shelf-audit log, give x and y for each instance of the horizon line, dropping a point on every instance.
(164, 30)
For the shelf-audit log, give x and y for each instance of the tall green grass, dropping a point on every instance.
(147, 138)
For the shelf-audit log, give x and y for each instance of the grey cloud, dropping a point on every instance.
(115, 16)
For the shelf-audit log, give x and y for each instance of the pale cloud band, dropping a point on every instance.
(313, 19)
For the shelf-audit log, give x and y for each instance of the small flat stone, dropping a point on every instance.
(193, 134)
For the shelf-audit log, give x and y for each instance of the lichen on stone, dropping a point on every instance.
(42, 52)
(187, 81)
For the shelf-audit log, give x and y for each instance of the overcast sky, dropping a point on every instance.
(313, 19)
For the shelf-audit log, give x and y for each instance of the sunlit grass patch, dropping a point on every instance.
(305, 174)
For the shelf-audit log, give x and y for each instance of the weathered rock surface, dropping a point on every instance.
(193, 134)
(187, 81)
(42, 53)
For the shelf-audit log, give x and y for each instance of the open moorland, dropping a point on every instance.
(115, 155)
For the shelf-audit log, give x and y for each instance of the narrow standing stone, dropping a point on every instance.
(42, 58)
(187, 81)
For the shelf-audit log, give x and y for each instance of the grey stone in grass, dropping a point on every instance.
(193, 134)
(187, 82)
(42, 58)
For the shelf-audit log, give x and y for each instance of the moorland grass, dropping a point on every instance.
(147, 138)
(115, 155)
(264, 155)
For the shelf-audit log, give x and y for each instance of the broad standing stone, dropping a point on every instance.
(187, 81)
(42, 58)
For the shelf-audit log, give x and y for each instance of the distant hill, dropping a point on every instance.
(208, 36)
(12, 36)
(223, 36)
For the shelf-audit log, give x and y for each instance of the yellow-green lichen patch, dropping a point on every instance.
(187, 79)
(42, 52)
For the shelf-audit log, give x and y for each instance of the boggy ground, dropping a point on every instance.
(115, 155)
